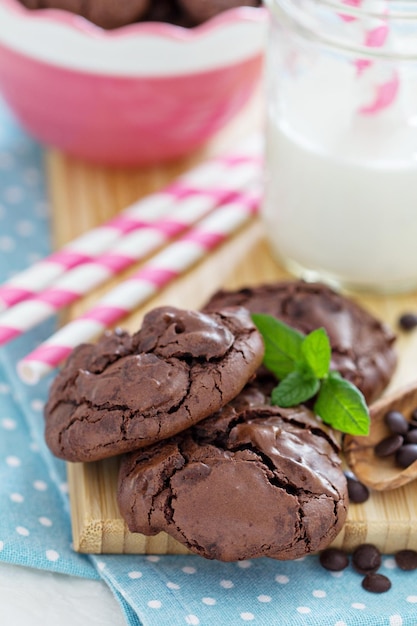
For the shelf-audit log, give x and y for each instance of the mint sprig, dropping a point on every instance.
(302, 364)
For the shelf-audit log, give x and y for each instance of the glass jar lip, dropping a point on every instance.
(390, 10)
(309, 26)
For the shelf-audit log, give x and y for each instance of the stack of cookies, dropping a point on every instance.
(112, 14)
(204, 456)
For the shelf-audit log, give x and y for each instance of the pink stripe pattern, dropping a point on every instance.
(158, 272)
(81, 279)
(384, 92)
(157, 276)
(158, 208)
(69, 258)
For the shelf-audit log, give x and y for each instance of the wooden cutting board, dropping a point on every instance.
(83, 196)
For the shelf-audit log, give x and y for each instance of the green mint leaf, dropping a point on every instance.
(295, 388)
(317, 352)
(282, 344)
(341, 405)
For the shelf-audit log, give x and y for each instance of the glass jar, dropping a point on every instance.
(341, 164)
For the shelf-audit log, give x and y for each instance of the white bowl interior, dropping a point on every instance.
(141, 49)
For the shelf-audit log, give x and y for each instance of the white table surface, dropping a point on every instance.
(30, 597)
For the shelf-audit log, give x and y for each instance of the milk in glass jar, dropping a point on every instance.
(341, 169)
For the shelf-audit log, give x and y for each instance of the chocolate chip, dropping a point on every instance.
(366, 558)
(411, 436)
(334, 559)
(389, 445)
(377, 583)
(358, 492)
(406, 455)
(407, 321)
(406, 559)
(396, 422)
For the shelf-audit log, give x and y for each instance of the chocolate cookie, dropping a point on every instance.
(362, 347)
(129, 391)
(251, 481)
(105, 13)
(200, 11)
(113, 13)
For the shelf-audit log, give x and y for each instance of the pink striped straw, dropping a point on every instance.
(210, 178)
(385, 92)
(129, 249)
(164, 267)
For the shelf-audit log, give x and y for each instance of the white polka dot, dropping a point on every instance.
(40, 485)
(153, 558)
(263, 598)
(395, 620)
(13, 461)
(226, 584)
(389, 563)
(64, 487)
(37, 405)
(31, 176)
(24, 228)
(319, 593)
(358, 605)
(33, 257)
(189, 570)
(13, 194)
(412, 599)
(154, 604)
(34, 446)
(52, 555)
(8, 423)
(244, 564)
(4, 388)
(1, 545)
(16, 497)
(7, 244)
(192, 620)
(337, 574)
(247, 617)
(340, 623)
(282, 579)
(171, 585)
(135, 574)
(6, 160)
(41, 209)
(45, 521)
(209, 601)
(303, 609)
(21, 530)
(101, 565)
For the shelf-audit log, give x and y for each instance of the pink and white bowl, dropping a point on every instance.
(136, 95)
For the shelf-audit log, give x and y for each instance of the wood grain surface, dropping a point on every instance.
(83, 196)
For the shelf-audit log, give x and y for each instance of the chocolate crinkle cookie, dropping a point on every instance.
(200, 11)
(362, 346)
(250, 481)
(129, 391)
(111, 14)
(105, 13)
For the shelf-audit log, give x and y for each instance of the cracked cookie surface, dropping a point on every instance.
(362, 346)
(129, 391)
(252, 480)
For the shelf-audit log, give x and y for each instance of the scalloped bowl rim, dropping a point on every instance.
(144, 48)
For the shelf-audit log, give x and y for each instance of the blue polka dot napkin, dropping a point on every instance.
(152, 590)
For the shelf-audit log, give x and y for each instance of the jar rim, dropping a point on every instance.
(391, 10)
(307, 17)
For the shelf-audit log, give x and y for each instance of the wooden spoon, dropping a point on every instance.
(381, 473)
